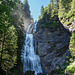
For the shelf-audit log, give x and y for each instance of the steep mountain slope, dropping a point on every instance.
(55, 47)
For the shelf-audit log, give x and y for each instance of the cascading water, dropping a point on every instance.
(30, 60)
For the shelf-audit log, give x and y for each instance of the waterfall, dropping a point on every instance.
(30, 60)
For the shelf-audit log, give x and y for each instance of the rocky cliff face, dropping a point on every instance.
(52, 48)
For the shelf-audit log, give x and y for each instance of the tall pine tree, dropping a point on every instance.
(8, 37)
(42, 11)
(61, 11)
(26, 9)
(73, 8)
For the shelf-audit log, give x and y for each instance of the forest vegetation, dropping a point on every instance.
(12, 15)
(59, 12)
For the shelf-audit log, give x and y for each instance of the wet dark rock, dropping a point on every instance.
(29, 73)
(40, 74)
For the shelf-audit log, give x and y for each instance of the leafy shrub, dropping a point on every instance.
(71, 67)
(72, 45)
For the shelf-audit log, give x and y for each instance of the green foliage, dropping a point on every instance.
(50, 15)
(71, 67)
(72, 44)
(11, 32)
(71, 62)
(73, 5)
(67, 23)
(50, 24)
(61, 11)
(42, 11)
(66, 11)
(9, 49)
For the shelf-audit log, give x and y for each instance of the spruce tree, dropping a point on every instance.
(42, 11)
(51, 2)
(73, 8)
(26, 9)
(8, 37)
(49, 9)
(61, 11)
(73, 5)
(8, 49)
(52, 7)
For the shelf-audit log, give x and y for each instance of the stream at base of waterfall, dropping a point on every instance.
(30, 60)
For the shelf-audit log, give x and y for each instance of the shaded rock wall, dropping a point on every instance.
(52, 48)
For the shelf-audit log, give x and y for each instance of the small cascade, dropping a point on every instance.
(34, 28)
(30, 60)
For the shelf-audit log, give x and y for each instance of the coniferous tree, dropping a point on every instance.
(49, 9)
(56, 6)
(73, 5)
(52, 3)
(27, 17)
(8, 49)
(61, 11)
(48, 12)
(42, 11)
(52, 7)
(73, 8)
(8, 37)
(26, 9)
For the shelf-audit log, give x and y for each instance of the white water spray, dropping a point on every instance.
(30, 60)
